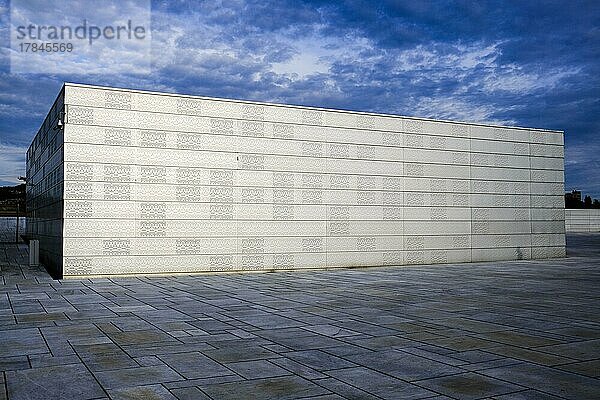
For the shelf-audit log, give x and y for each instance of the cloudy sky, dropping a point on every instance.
(525, 63)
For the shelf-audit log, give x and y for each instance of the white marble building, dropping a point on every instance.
(135, 182)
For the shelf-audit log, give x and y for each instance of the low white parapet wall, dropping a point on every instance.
(586, 220)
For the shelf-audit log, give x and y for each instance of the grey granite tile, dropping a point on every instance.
(270, 321)
(131, 323)
(106, 327)
(257, 369)
(276, 348)
(471, 325)
(297, 368)
(588, 368)
(579, 350)
(580, 332)
(346, 349)
(463, 343)
(235, 354)
(475, 356)
(14, 363)
(443, 358)
(18, 342)
(109, 361)
(518, 338)
(57, 382)
(382, 342)
(365, 328)
(93, 314)
(40, 317)
(211, 325)
(147, 361)
(283, 333)
(469, 385)
(534, 356)
(319, 360)
(378, 384)
(48, 360)
(149, 392)
(75, 333)
(194, 365)
(215, 380)
(282, 388)
(548, 380)
(308, 342)
(526, 395)
(344, 390)
(242, 333)
(403, 365)
(500, 362)
(149, 349)
(136, 376)
(162, 315)
(424, 336)
(189, 393)
(330, 330)
(140, 337)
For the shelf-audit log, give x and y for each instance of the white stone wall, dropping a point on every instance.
(582, 220)
(158, 183)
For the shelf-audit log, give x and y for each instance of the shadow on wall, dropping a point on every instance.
(519, 253)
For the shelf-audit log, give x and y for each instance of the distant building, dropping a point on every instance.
(573, 199)
(12, 200)
(576, 195)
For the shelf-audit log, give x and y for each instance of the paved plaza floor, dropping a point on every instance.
(503, 330)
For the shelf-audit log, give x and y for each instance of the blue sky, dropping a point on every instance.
(531, 63)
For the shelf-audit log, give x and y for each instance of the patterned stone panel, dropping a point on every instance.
(547, 176)
(500, 134)
(499, 147)
(497, 254)
(437, 156)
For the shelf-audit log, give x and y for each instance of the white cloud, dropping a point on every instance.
(306, 62)
(452, 108)
(582, 154)
(105, 56)
(12, 162)
(314, 55)
(515, 79)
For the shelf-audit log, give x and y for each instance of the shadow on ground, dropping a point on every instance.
(506, 330)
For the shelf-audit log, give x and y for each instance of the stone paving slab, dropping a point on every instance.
(284, 388)
(126, 377)
(257, 369)
(548, 380)
(379, 384)
(506, 330)
(72, 381)
(149, 392)
(18, 342)
(469, 386)
(195, 365)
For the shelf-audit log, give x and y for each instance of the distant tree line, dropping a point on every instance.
(573, 200)
(12, 199)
